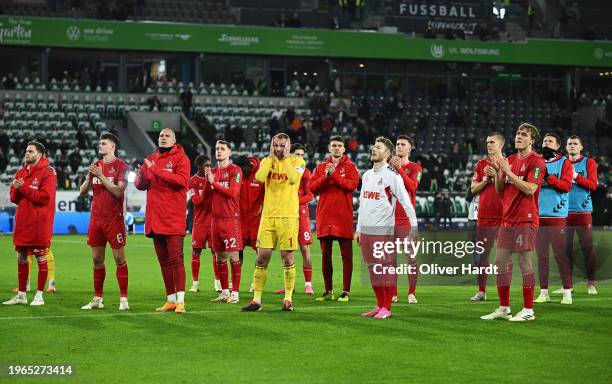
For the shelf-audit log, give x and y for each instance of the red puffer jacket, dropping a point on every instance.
(335, 207)
(166, 183)
(35, 201)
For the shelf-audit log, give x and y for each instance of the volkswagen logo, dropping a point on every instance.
(73, 33)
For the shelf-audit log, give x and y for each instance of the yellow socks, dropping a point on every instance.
(289, 277)
(259, 281)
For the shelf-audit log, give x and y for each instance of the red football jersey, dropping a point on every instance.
(202, 205)
(411, 176)
(304, 194)
(489, 201)
(105, 205)
(519, 207)
(226, 192)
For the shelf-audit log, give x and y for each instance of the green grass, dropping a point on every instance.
(440, 340)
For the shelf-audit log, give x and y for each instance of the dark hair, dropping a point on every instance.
(553, 135)
(575, 137)
(337, 138)
(39, 147)
(407, 138)
(226, 143)
(296, 146)
(498, 135)
(387, 143)
(200, 160)
(110, 136)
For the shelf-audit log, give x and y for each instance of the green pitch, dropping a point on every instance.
(439, 340)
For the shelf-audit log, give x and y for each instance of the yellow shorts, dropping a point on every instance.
(278, 230)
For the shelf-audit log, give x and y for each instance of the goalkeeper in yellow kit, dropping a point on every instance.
(51, 276)
(281, 173)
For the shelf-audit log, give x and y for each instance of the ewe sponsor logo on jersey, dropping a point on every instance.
(168, 167)
(16, 31)
(279, 176)
(373, 195)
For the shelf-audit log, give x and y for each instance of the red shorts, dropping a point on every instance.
(517, 237)
(200, 237)
(486, 231)
(377, 259)
(36, 251)
(250, 243)
(402, 230)
(226, 235)
(304, 231)
(579, 219)
(101, 232)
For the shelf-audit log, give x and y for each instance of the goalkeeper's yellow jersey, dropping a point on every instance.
(282, 181)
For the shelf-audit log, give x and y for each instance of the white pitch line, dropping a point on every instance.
(217, 311)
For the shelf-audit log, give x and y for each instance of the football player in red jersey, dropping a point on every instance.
(489, 207)
(518, 180)
(251, 203)
(165, 177)
(107, 179)
(304, 231)
(410, 173)
(202, 222)
(33, 191)
(223, 188)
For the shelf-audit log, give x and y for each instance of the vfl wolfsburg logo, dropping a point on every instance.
(599, 53)
(73, 33)
(437, 51)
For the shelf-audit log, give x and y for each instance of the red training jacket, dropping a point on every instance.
(166, 183)
(335, 207)
(35, 201)
(251, 201)
(305, 195)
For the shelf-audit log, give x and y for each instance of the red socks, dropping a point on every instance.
(99, 276)
(23, 271)
(307, 274)
(222, 270)
(43, 270)
(236, 267)
(504, 295)
(122, 279)
(195, 266)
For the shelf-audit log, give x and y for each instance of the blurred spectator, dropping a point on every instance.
(3, 160)
(295, 21)
(75, 158)
(9, 82)
(5, 141)
(154, 104)
(335, 23)
(79, 179)
(429, 32)
(186, 98)
(281, 21)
